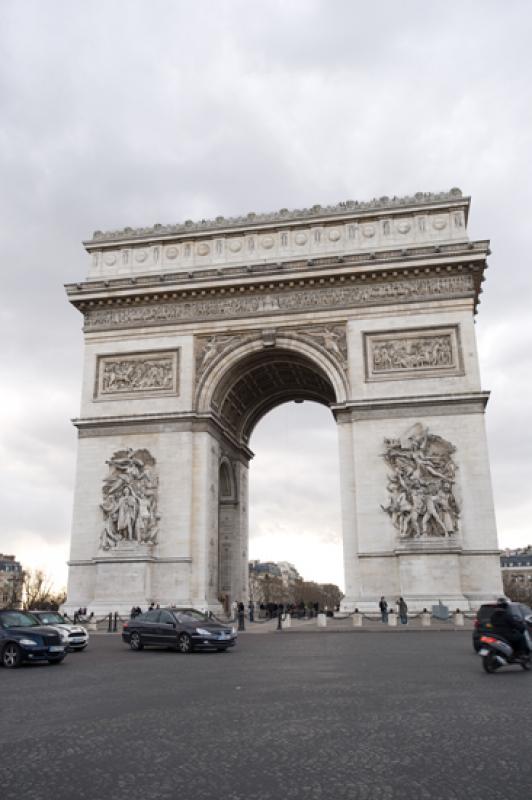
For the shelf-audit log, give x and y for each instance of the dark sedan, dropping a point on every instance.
(22, 639)
(181, 629)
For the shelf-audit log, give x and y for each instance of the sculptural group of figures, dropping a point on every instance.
(131, 375)
(130, 499)
(434, 351)
(421, 497)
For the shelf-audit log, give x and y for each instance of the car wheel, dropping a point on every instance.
(11, 656)
(136, 642)
(525, 663)
(184, 643)
(55, 660)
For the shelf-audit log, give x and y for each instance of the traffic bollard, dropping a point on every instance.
(322, 621)
(357, 619)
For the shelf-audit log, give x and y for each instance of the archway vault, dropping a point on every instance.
(248, 381)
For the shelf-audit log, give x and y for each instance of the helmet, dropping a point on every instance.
(502, 602)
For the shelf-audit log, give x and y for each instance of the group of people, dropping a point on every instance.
(136, 610)
(402, 610)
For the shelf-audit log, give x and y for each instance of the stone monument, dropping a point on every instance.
(193, 332)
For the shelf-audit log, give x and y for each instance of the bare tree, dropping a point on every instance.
(38, 590)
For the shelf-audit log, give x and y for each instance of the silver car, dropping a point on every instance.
(74, 636)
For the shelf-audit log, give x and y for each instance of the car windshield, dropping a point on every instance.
(51, 618)
(17, 619)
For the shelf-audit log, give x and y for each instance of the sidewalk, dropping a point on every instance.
(335, 625)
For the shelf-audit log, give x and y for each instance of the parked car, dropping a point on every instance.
(74, 636)
(184, 629)
(22, 639)
(482, 622)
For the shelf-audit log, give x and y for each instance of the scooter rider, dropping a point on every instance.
(509, 627)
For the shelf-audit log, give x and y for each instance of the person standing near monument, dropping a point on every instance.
(403, 611)
(383, 605)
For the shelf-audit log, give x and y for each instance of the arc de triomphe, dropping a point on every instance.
(193, 332)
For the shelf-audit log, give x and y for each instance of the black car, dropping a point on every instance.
(483, 625)
(23, 638)
(183, 629)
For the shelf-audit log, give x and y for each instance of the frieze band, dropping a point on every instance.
(280, 302)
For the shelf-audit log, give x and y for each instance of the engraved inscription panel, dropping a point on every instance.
(419, 353)
(137, 374)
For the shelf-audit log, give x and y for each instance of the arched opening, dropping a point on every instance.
(294, 497)
(247, 389)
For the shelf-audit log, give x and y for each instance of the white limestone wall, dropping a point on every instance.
(425, 574)
(397, 320)
(204, 489)
(167, 579)
(140, 341)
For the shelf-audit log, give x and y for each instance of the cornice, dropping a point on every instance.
(470, 256)
(187, 421)
(408, 406)
(252, 220)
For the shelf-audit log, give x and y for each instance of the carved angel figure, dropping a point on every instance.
(421, 500)
(129, 504)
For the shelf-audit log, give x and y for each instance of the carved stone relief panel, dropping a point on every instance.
(127, 375)
(314, 299)
(421, 494)
(420, 353)
(129, 500)
(331, 337)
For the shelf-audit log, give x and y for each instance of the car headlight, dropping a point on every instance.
(233, 630)
(203, 632)
(28, 642)
(64, 635)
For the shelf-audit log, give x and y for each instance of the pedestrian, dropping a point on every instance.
(383, 605)
(403, 611)
(251, 609)
(152, 606)
(241, 612)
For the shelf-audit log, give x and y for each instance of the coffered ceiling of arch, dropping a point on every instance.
(265, 380)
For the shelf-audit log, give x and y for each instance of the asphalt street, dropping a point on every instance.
(346, 716)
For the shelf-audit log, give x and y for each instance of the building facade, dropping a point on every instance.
(11, 582)
(194, 332)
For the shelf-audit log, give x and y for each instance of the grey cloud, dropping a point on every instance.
(124, 113)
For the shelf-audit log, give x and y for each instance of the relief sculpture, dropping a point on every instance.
(413, 353)
(136, 373)
(312, 299)
(332, 338)
(130, 496)
(421, 499)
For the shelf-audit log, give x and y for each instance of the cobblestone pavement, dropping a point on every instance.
(281, 717)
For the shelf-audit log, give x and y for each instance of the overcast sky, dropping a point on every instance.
(132, 113)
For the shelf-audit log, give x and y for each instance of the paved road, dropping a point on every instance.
(282, 717)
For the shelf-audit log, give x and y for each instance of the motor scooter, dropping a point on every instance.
(496, 652)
